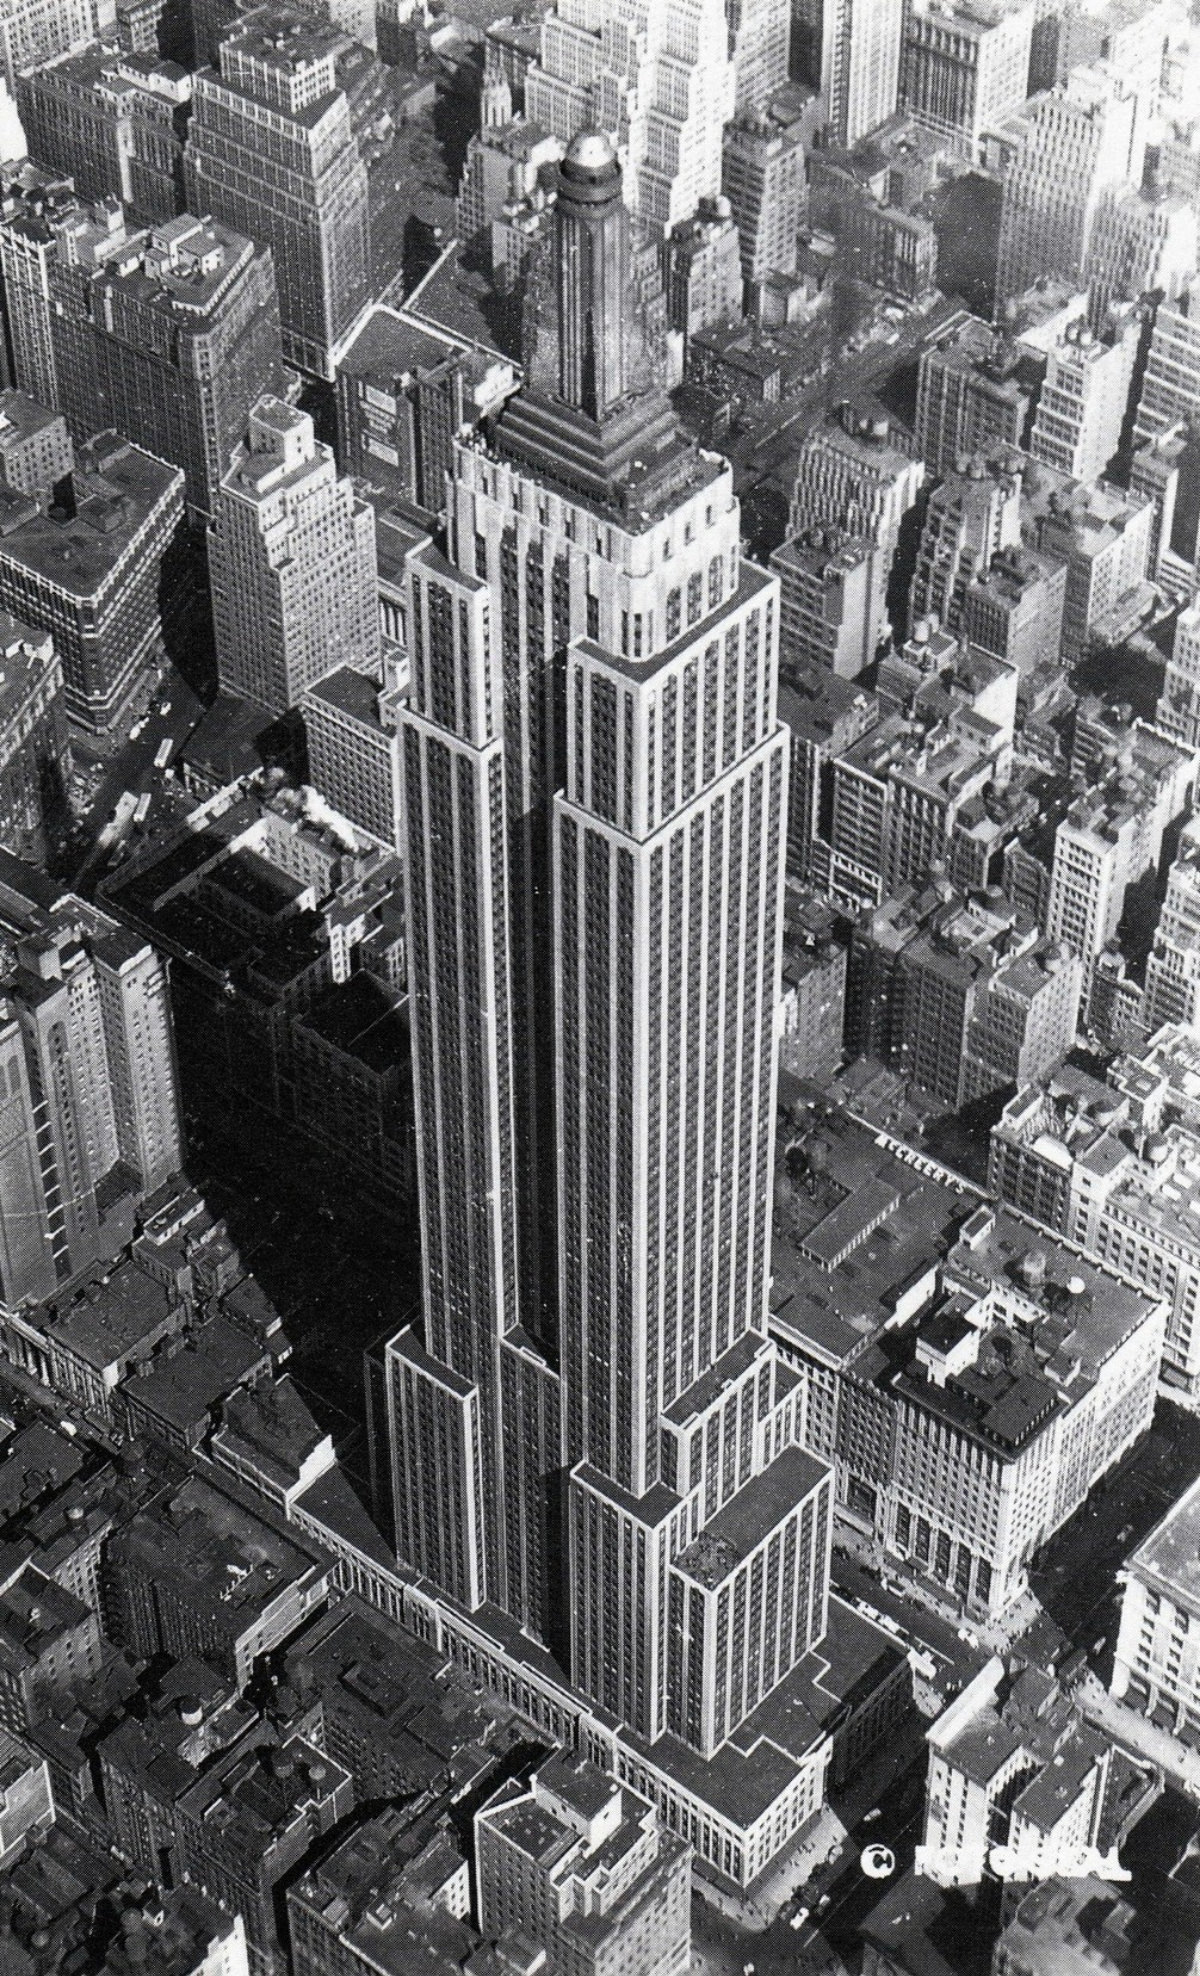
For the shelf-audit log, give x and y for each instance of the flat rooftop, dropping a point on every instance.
(351, 692)
(220, 1548)
(835, 1311)
(112, 1318)
(183, 1388)
(748, 1518)
(118, 490)
(1170, 1555)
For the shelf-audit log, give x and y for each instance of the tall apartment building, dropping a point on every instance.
(1137, 41)
(1156, 468)
(33, 31)
(590, 524)
(542, 1853)
(972, 517)
(34, 750)
(291, 562)
(824, 715)
(1103, 535)
(964, 66)
(1168, 413)
(505, 164)
(702, 270)
(975, 391)
(1014, 608)
(1085, 397)
(1171, 386)
(351, 728)
(1156, 1666)
(31, 202)
(659, 78)
(763, 178)
(1111, 835)
(403, 395)
(1178, 710)
(174, 331)
(861, 43)
(114, 122)
(854, 472)
(828, 602)
(760, 34)
(1040, 1792)
(1056, 157)
(1173, 963)
(1140, 241)
(964, 998)
(90, 574)
(90, 1084)
(309, 204)
(35, 447)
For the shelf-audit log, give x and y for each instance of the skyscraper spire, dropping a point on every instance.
(592, 275)
(592, 416)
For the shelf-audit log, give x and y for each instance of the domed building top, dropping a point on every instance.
(591, 151)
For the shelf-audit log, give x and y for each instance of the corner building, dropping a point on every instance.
(596, 797)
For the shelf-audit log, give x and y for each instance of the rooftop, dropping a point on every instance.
(747, 1519)
(34, 1612)
(220, 1549)
(182, 1388)
(351, 692)
(113, 1315)
(836, 1168)
(184, 268)
(1170, 1555)
(372, 1882)
(118, 490)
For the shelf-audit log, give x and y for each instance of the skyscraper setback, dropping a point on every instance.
(595, 781)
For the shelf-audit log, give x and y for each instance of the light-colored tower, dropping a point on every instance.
(308, 201)
(1085, 395)
(860, 65)
(1139, 242)
(140, 1050)
(33, 31)
(964, 68)
(1170, 394)
(1173, 963)
(765, 183)
(291, 562)
(87, 1043)
(759, 38)
(655, 74)
(1178, 710)
(592, 752)
(854, 472)
(1057, 156)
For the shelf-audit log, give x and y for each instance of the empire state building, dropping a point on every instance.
(594, 1423)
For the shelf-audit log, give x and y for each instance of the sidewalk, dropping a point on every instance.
(1145, 1738)
(758, 1908)
(997, 1635)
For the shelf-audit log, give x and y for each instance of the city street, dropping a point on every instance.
(130, 765)
(1074, 1576)
(921, 1627)
(837, 1896)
